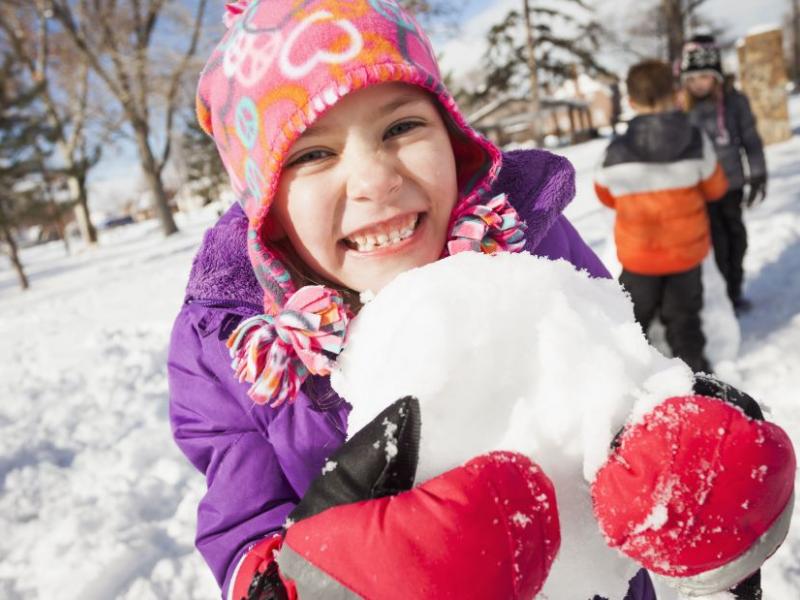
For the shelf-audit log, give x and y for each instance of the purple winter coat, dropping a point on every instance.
(258, 461)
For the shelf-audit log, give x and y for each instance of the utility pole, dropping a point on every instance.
(536, 132)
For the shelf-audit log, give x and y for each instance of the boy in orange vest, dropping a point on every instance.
(659, 176)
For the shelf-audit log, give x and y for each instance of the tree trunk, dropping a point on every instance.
(77, 189)
(674, 22)
(13, 253)
(154, 182)
(536, 131)
(55, 209)
(62, 231)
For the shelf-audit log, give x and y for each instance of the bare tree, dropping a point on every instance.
(118, 41)
(658, 28)
(65, 97)
(678, 16)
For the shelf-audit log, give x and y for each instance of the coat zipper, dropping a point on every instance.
(210, 303)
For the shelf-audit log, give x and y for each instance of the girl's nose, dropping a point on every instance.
(372, 177)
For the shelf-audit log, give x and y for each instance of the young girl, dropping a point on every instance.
(725, 115)
(352, 164)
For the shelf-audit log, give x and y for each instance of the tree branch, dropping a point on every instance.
(174, 86)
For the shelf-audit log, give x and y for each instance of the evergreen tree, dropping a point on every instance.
(562, 38)
(24, 141)
(203, 170)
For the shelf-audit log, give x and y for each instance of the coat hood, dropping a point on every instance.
(646, 135)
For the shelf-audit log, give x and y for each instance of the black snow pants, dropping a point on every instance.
(678, 299)
(729, 237)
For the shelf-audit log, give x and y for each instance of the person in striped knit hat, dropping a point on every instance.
(724, 113)
(351, 163)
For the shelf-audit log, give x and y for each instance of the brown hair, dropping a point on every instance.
(650, 82)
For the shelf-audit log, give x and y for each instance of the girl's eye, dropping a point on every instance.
(310, 156)
(401, 128)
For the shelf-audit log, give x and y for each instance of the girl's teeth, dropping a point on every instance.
(367, 243)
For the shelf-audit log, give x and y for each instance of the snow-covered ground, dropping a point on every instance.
(95, 500)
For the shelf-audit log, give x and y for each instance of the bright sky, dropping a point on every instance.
(113, 177)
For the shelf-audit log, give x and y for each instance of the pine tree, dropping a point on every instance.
(561, 40)
(24, 140)
(203, 169)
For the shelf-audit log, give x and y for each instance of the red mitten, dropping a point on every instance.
(697, 491)
(488, 529)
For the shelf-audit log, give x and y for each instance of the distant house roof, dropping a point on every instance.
(510, 111)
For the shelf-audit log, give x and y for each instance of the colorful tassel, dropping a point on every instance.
(489, 228)
(276, 353)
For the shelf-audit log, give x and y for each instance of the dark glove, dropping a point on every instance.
(486, 529)
(699, 491)
(757, 191)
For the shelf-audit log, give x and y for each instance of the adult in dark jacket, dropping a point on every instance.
(725, 115)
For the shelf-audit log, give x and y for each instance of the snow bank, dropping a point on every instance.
(719, 323)
(96, 501)
(519, 353)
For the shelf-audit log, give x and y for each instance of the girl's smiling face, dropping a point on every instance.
(367, 192)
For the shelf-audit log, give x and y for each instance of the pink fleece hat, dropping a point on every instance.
(281, 65)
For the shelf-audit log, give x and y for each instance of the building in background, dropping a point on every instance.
(575, 112)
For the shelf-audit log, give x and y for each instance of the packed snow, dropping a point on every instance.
(96, 502)
(514, 352)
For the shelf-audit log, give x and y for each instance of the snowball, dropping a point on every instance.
(519, 353)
